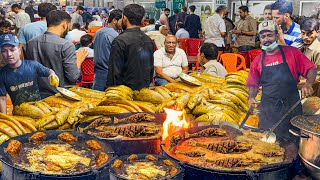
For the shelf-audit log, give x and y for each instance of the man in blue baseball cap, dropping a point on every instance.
(19, 78)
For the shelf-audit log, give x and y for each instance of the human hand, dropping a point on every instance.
(280, 32)
(82, 54)
(54, 80)
(306, 91)
(253, 102)
(236, 32)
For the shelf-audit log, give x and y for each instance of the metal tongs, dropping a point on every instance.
(270, 137)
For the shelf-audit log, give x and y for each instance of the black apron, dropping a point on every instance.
(279, 93)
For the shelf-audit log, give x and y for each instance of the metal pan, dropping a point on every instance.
(69, 94)
(190, 80)
(12, 172)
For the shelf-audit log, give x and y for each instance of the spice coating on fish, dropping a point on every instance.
(208, 132)
(96, 123)
(105, 134)
(140, 117)
(227, 146)
(131, 130)
(192, 153)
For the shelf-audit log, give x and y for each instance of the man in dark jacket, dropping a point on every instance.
(131, 58)
(29, 10)
(182, 15)
(193, 23)
(172, 21)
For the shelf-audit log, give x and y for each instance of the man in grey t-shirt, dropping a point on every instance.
(76, 16)
(56, 53)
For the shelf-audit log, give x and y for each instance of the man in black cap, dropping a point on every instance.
(19, 78)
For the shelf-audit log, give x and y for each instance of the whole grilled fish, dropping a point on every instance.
(140, 117)
(105, 134)
(131, 130)
(208, 132)
(227, 146)
(192, 153)
(235, 162)
(96, 123)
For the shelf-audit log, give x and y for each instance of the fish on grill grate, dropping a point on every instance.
(131, 130)
(208, 132)
(226, 146)
(140, 117)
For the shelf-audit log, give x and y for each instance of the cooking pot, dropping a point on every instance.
(309, 146)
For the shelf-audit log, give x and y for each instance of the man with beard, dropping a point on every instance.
(29, 10)
(278, 70)
(56, 53)
(164, 20)
(245, 30)
(131, 57)
(102, 47)
(289, 31)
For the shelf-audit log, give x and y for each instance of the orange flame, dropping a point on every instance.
(174, 119)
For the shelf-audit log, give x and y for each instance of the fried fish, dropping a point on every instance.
(226, 146)
(208, 132)
(140, 117)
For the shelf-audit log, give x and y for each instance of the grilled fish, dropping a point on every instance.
(234, 162)
(227, 146)
(208, 132)
(271, 153)
(192, 153)
(140, 117)
(131, 130)
(105, 134)
(96, 123)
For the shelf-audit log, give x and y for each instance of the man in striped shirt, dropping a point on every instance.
(289, 31)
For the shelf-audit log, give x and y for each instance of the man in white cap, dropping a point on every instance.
(19, 78)
(277, 69)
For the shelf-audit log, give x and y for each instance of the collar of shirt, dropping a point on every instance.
(209, 63)
(176, 53)
(50, 33)
(315, 45)
(291, 28)
(131, 30)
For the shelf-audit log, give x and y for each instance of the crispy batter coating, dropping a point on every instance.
(132, 157)
(167, 162)
(38, 137)
(94, 145)
(101, 159)
(50, 166)
(173, 171)
(13, 148)
(67, 137)
(151, 158)
(117, 164)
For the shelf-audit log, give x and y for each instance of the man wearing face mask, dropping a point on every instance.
(289, 31)
(277, 70)
(131, 56)
(56, 53)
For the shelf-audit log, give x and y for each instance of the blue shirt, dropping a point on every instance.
(21, 83)
(32, 30)
(292, 36)
(102, 47)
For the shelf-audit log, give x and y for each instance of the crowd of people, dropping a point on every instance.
(128, 51)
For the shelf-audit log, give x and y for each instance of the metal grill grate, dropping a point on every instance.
(307, 123)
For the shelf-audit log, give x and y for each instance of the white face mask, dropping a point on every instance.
(271, 47)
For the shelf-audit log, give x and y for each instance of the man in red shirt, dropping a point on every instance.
(277, 70)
